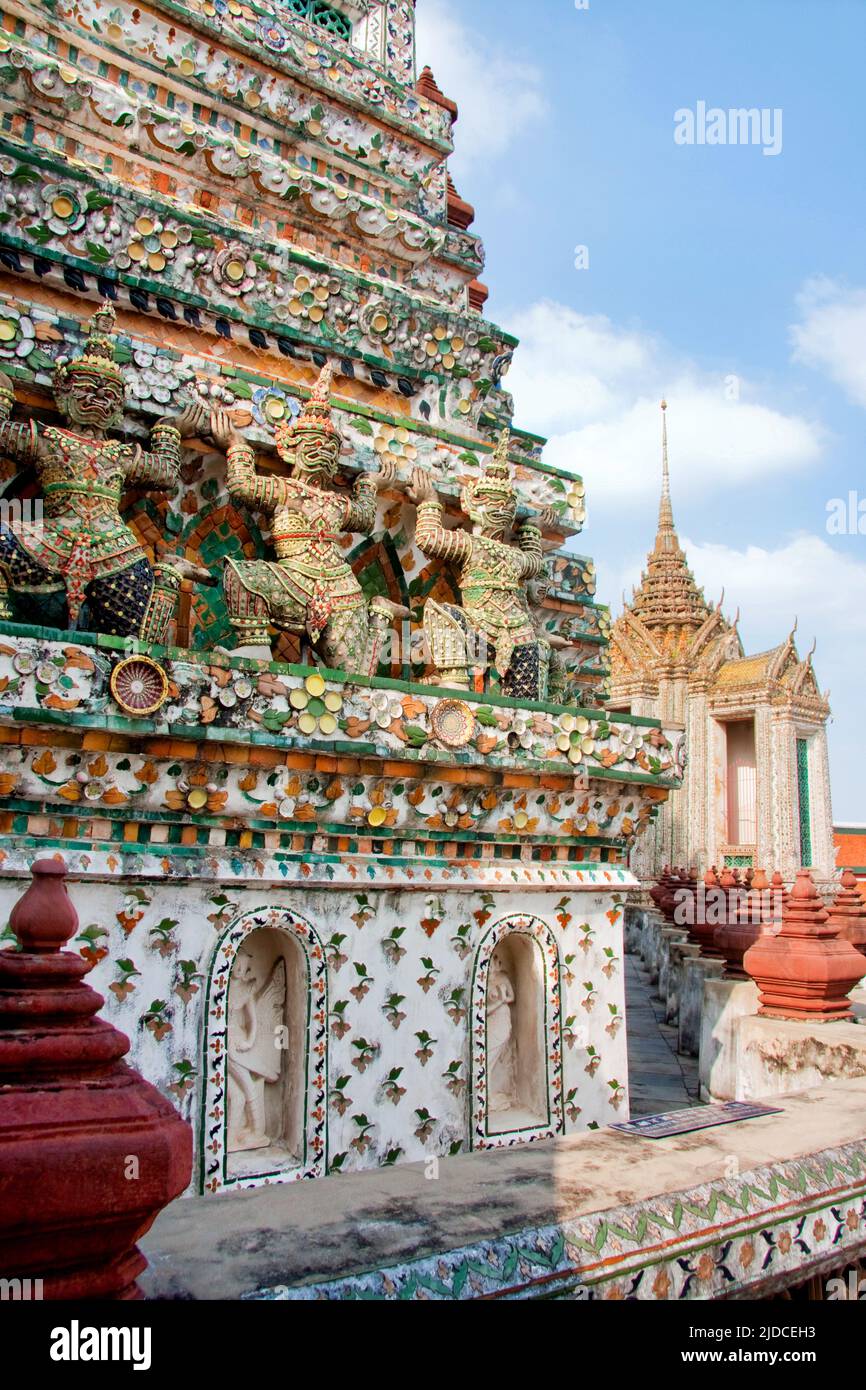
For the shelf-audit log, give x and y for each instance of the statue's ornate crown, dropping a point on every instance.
(315, 416)
(98, 356)
(495, 483)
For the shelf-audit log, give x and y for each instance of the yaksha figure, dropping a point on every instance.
(80, 566)
(310, 587)
(494, 626)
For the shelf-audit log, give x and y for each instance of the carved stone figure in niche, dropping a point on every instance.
(494, 625)
(310, 587)
(256, 1015)
(80, 566)
(501, 1092)
(516, 1045)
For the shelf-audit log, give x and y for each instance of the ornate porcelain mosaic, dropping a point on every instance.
(297, 672)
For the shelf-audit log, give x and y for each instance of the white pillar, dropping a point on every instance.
(765, 849)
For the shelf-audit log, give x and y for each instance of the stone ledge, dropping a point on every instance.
(776, 1056)
(626, 1217)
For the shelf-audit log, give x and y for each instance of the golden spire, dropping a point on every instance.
(668, 596)
(666, 511)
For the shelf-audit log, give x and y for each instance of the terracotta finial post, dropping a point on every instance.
(89, 1151)
(427, 86)
(779, 886)
(707, 917)
(808, 970)
(659, 890)
(749, 918)
(44, 919)
(848, 913)
(477, 294)
(460, 213)
(668, 900)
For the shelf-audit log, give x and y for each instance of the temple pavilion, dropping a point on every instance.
(757, 788)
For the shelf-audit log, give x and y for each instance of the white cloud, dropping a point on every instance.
(498, 96)
(594, 388)
(831, 334)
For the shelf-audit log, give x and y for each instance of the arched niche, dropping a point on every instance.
(267, 1007)
(516, 1043)
(265, 1054)
(517, 1035)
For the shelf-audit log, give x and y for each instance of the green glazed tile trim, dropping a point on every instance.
(176, 820)
(198, 658)
(199, 852)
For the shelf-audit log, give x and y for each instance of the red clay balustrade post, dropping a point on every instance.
(90, 1152)
(708, 903)
(659, 890)
(749, 918)
(808, 970)
(780, 892)
(848, 913)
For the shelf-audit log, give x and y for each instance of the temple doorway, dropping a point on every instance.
(742, 783)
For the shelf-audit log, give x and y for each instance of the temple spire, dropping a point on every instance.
(668, 596)
(667, 536)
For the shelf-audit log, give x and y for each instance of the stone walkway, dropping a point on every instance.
(659, 1078)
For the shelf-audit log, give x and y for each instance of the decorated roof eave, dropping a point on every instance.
(780, 657)
(804, 674)
(37, 368)
(625, 689)
(779, 668)
(295, 331)
(738, 699)
(634, 667)
(610, 758)
(775, 695)
(213, 30)
(629, 627)
(406, 235)
(716, 627)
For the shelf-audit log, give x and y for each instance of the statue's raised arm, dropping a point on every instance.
(431, 537)
(18, 440)
(245, 484)
(158, 467)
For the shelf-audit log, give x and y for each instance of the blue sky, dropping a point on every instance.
(730, 281)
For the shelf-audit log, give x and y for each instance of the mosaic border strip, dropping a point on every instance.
(680, 1240)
